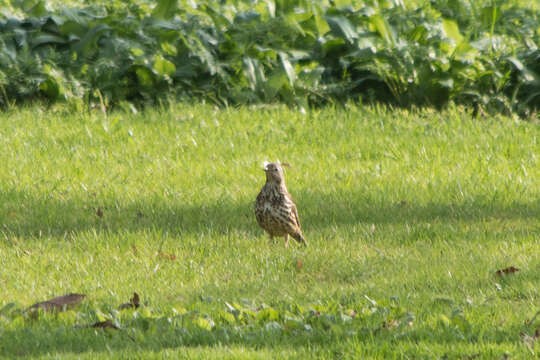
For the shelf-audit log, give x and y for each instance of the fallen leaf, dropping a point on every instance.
(134, 249)
(171, 257)
(299, 264)
(134, 302)
(390, 325)
(508, 270)
(59, 303)
(372, 228)
(99, 212)
(107, 324)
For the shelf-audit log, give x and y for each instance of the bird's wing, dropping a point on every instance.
(258, 210)
(295, 215)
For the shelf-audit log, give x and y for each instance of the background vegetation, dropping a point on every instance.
(301, 52)
(409, 215)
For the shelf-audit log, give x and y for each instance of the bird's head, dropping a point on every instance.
(274, 172)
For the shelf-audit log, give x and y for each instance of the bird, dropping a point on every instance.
(275, 210)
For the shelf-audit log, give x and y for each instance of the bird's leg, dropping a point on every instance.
(287, 240)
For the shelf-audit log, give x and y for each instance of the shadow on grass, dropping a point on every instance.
(156, 335)
(26, 216)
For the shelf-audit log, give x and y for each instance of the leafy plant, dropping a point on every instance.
(298, 52)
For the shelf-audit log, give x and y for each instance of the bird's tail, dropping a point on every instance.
(298, 236)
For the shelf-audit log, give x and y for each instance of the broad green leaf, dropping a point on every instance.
(203, 323)
(99, 315)
(382, 27)
(418, 34)
(532, 96)
(44, 39)
(163, 66)
(447, 83)
(53, 86)
(528, 75)
(289, 70)
(275, 82)
(452, 30)
(136, 51)
(322, 25)
(179, 309)
(73, 28)
(342, 3)
(227, 317)
(249, 71)
(518, 64)
(268, 314)
(333, 45)
(144, 76)
(271, 7)
(465, 53)
(169, 48)
(299, 16)
(89, 41)
(342, 27)
(165, 9)
(311, 76)
(50, 88)
(34, 8)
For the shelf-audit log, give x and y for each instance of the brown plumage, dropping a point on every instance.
(275, 209)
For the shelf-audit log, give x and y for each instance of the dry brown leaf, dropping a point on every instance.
(508, 270)
(99, 212)
(299, 264)
(392, 324)
(107, 324)
(134, 302)
(59, 303)
(171, 257)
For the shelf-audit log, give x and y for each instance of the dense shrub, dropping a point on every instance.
(294, 51)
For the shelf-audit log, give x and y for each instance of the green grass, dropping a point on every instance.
(408, 216)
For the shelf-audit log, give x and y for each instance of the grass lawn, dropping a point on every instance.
(408, 216)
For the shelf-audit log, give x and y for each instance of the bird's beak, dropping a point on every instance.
(265, 165)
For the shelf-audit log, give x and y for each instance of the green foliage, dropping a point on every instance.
(296, 52)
